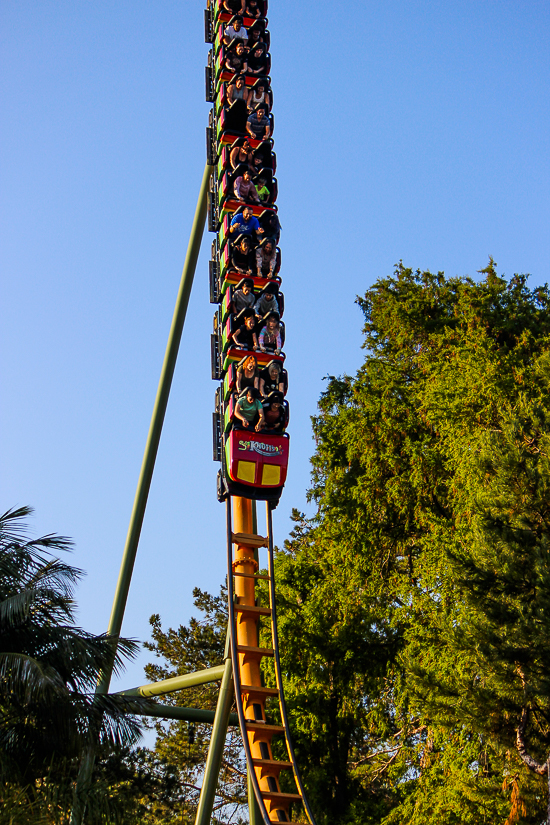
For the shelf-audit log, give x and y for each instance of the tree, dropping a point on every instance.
(48, 671)
(430, 465)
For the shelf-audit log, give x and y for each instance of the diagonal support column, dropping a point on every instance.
(157, 420)
(144, 482)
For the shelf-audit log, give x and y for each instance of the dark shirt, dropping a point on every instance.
(246, 380)
(235, 63)
(240, 261)
(257, 64)
(271, 225)
(269, 384)
(274, 418)
(246, 337)
(234, 6)
(240, 300)
(258, 126)
(265, 305)
(253, 9)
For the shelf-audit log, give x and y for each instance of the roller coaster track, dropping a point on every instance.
(251, 695)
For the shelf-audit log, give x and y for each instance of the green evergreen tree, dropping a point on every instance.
(396, 575)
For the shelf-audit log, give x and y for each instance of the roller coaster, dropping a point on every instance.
(251, 415)
(250, 436)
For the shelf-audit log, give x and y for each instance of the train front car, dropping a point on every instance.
(251, 413)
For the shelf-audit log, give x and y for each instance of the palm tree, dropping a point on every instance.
(48, 666)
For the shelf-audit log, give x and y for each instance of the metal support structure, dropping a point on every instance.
(145, 477)
(157, 420)
(254, 814)
(199, 677)
(181, 714)
(246, 520)
(215, 749)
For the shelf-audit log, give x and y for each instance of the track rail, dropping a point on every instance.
(251, 695)
(253, 461)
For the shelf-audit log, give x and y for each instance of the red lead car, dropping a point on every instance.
(258, 462)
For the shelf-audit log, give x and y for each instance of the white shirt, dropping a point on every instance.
(242, 34)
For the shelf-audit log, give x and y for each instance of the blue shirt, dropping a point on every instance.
(246, 227)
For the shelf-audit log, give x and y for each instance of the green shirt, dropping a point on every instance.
(249, 411)
(263, 192)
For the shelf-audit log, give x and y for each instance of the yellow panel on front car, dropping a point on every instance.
(271, 474)
(246, 471)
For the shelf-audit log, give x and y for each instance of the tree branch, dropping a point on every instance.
(538, 767)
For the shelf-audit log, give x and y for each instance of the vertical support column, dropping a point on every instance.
(245, 589)
(215, 749)
(246, 561)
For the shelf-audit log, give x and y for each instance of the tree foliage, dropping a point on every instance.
(414, 605)
(48, 671)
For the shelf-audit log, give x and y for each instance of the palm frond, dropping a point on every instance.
(27, 679)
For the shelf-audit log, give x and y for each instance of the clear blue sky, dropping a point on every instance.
(404, 130)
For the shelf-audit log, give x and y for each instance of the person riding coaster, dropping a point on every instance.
(275, 413)
(271, 338)
(249, 411)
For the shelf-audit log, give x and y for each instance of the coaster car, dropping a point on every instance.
(233, 323)
(230, 402)
(227, 306)
(255, 464)
(228, 271)
(219, 35)
(228, 202)
(230, 126)
(223, 73)
(264, 218)
(222, 95)
(267, 158)
(220, 13)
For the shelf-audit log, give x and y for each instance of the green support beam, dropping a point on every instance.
(184, 714)
(144, 482)
(254, 814)
(199, 677)
(157, 420)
